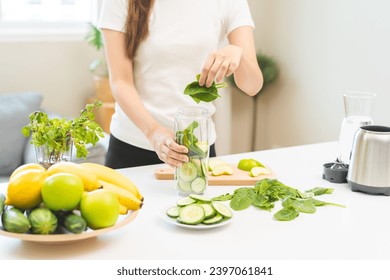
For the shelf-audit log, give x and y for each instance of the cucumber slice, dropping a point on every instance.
(184, 186)
(214, 220)
(198, 185)
(185, 201)
(188, 171)
(200, 198)
(173, 211)
(222, 209)
(191, 214)
(208, 210)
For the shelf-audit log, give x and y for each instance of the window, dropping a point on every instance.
(46, 19)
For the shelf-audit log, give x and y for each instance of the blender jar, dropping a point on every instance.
(192, 129)
(358, 112)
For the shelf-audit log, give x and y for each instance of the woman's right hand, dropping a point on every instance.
(166, 148)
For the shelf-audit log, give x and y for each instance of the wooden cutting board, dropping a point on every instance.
(238, 178)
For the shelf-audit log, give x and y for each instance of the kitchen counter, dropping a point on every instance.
(359, 231)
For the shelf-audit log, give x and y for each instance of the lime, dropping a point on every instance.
(62, 191)
(100, 208)
(257, 171)
(248, 163)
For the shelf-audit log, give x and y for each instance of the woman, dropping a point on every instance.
(154, 49)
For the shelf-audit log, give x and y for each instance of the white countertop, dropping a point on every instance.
(359, 231)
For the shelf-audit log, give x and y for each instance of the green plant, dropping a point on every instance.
(94, 38)
(57, 133)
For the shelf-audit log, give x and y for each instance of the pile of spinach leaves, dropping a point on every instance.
(203, 93)
(268, 191)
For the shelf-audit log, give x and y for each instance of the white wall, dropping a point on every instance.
(57, 70)
(323, 48)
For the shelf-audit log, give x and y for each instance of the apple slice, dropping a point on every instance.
(257, 171)
(213, 162)
(222, 169)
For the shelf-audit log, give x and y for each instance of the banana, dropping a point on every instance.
(123, 209)
(85, 174)
(125, 197)
(114, 177)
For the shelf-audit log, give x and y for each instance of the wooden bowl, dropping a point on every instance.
(71, 237)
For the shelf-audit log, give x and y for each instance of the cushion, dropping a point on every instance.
(15, 109)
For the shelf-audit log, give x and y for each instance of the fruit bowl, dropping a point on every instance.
(71, 237)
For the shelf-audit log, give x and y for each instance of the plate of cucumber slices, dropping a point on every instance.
(197, 212)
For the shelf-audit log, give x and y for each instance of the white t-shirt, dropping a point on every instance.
(182, 33)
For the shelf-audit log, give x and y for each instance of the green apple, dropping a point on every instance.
(100, 208)
(247, 164)
(62, 191)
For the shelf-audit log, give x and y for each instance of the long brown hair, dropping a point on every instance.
(137, 24)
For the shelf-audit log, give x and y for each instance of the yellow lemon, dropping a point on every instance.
(24, 190)
(27, 166)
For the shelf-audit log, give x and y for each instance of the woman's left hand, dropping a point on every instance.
(220, 64)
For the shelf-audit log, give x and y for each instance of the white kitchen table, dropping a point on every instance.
(360, 231)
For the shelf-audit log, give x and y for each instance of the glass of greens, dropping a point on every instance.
(192, 129)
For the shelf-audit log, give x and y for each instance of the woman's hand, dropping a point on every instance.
(166, 148)
(220, 64)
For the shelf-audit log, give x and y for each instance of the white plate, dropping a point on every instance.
(173, 221)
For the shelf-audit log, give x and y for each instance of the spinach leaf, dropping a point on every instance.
(223, 197)
(262, 202)
(188, 139)
(202, 93)
(302, 205)
(317, 202)
(286, 214)
(268, 191)
(320, 191)
(242, 199)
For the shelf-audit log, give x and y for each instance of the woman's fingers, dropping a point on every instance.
(220, 64)
(172, 153)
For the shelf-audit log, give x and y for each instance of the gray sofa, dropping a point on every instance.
(15, 149)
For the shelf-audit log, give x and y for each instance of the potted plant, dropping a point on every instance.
(54, 138)
(98, 67)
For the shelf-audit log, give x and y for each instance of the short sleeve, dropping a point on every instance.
(238, 14)
(113, 14)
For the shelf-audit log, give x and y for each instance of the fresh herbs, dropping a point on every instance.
(268, 191)
(187, 138)
(57, 133)
(203, 93)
